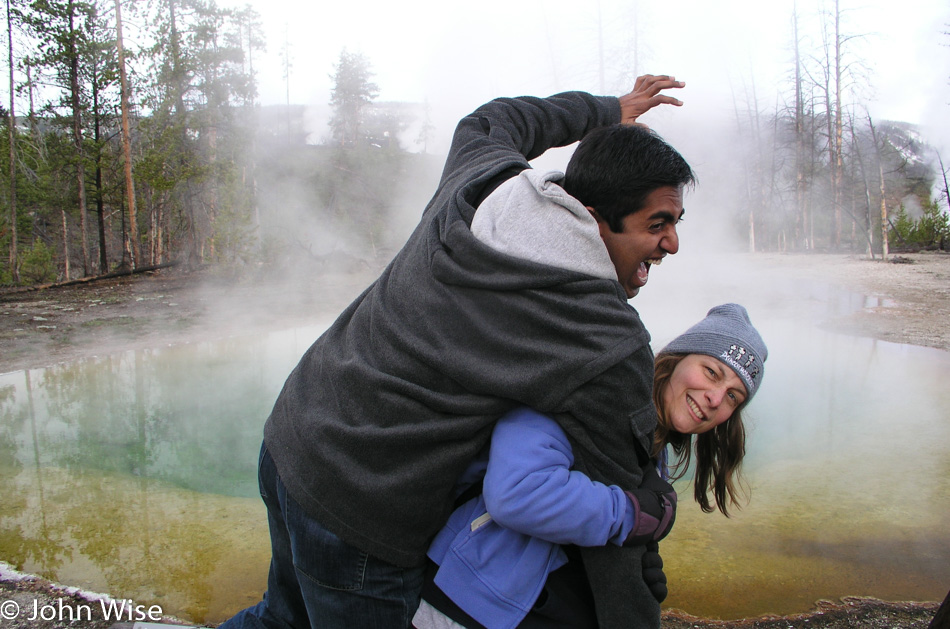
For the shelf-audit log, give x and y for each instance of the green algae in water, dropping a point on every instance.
(849, 466)
(198, 556)
(135, 475)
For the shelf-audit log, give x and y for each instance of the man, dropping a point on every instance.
(511, 291)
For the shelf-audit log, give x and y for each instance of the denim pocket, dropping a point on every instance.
(321, 556)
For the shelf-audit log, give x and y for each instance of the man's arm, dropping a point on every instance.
(512, 131)
(516, 130)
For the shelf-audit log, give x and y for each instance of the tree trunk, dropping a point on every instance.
(809, 211)
(14, 258)
(153, 231)
(838, 165)
(192, 245)
(77, 137)
(100, 206)
(133, 235)
(884, 221)
(866, 213)
(249, 171)
(101, 219)
(880, 169)
(829, 117)
(209, 237)
(946, 186)
(802, 214)
(753, 182)
(65, 246)
(161, 255)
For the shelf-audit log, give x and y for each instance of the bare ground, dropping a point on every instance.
(43, 327)
(908, 302)
(908, 296)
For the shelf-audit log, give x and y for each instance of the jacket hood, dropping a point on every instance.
(531, 217)
(552, 240)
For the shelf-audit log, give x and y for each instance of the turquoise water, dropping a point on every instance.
(849, 470)
(134, 474)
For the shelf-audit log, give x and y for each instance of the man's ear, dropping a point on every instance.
(602, 225)
(593, 212)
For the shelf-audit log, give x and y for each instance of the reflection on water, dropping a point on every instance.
(135, 474)
(849, 466)
(196, 555)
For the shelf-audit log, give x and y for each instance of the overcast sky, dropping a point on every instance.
(458, 55)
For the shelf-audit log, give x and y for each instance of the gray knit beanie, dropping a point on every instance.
(727, 334)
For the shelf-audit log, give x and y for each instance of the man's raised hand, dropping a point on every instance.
(646, 95)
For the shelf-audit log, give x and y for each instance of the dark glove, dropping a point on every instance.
(654, 505)
(653, 572)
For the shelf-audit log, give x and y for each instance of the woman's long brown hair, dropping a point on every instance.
(719, 452)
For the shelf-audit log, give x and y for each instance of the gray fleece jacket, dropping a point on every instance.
(387, 408)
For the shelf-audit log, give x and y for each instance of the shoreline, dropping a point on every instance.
(59, 603)
(907, 301)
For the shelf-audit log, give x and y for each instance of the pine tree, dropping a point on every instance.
(353, 92)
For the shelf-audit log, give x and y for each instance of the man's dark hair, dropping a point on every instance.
(615, 168)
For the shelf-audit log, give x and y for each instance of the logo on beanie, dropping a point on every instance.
(742, 361)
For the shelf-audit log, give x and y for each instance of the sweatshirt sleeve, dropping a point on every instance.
(530, 487)
(500, 137)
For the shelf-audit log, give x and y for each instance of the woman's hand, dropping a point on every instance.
(654, 503)
(653, 572)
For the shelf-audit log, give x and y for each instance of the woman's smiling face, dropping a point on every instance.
(701, 394)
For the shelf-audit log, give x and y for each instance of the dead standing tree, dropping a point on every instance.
(760, 154)
(861, 170)
(880, 167)
(832, 76)
(838, 166)
(946, 187)
(801, 197)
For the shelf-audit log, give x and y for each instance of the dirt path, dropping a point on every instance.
(907, 302)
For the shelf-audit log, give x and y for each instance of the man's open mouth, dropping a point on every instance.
(643, 272)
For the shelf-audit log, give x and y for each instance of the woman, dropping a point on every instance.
(507, 556)
(727, 335)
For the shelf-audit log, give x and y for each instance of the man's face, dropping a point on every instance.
(647, 236)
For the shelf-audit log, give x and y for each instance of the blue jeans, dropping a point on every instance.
(317, 580)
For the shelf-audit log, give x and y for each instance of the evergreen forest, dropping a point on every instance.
(124, 154)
